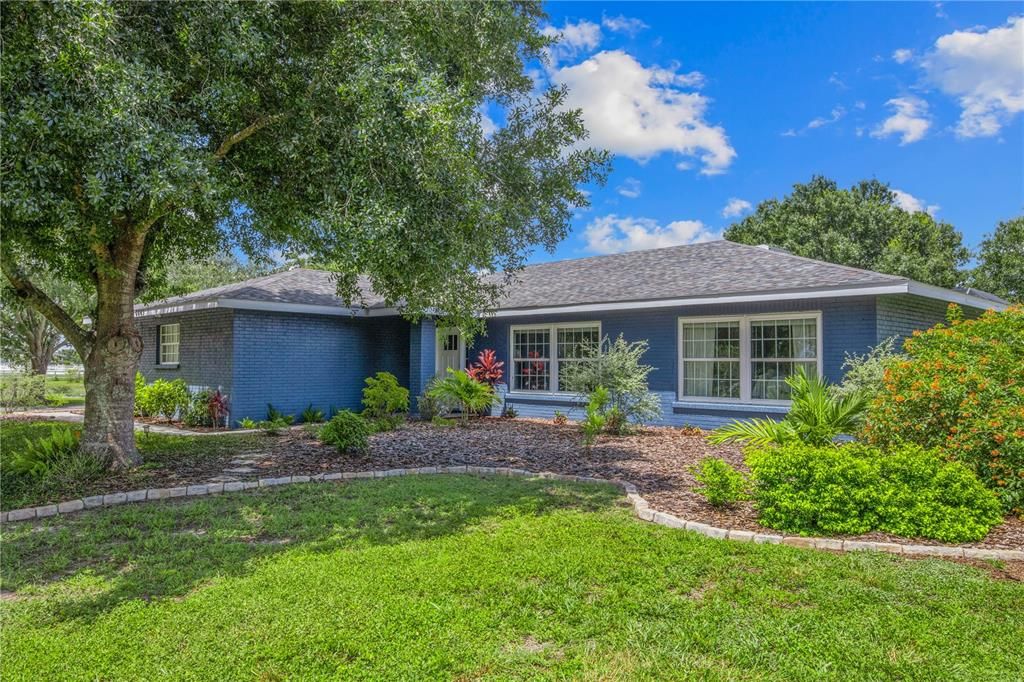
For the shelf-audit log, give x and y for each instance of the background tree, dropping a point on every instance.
(183, 276)
(1000, 267)
(27, 338)
(134, 133)
(862, 227)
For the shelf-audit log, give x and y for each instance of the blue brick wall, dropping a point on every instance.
(205, 348)
(848, 325)
(293, 360)
(422, 346)
(898, 315)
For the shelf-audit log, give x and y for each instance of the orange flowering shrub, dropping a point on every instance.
(961, 390)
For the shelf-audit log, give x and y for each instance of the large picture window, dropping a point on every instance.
(539, 352)
(170, 343)
(746, 358)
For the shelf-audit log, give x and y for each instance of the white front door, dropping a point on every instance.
(451, 351)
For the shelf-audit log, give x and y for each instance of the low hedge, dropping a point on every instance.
(907, 490)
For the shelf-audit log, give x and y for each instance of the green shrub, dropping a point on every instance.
(384, 397)
(459, 388)
(246, 423)
(162, 398)
(438, 420)
(277, 416)
(312, 415)
(593, 421)
(720, 484)
(858, 488)
(961, 389)
(865, 374)
(382, 424)
(57, 399)
(275, 427)
(198, 412)
(22, 390)
(817, 416)
(346, 431)
(39, 456)
(616, 367)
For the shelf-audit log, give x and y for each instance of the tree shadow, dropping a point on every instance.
(83, 566)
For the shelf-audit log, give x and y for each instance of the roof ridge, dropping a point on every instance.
(767, 248)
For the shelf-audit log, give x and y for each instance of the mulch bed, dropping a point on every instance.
(656, 460)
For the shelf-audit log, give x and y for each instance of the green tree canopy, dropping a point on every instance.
(862, 227)
(27, 338)
(1000, 267)
(183, 276)
(138, 132)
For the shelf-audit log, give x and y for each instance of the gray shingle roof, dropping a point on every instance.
(698, 270)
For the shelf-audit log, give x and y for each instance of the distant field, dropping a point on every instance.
(59, 390)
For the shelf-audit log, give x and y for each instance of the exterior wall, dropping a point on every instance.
(205, 351)
(292, 360)
(899, 315)
(848, 325)
(422, 358)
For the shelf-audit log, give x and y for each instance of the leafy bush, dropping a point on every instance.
(438, 420)
(816, 416)
(560, 419)
(276, 415)
(857, 488)
(459, 388)
(311, 415)
(246, 423)
(382, 424)
(22, 390)
(383, 397)
(593, 422)
(487, 369)
(865, 374)
(275, 427)
(961, 390)
(346, 431)
(617, 368)
(162, 398)
(721, 485)
(57, 399)
(509, 412)
(198, 412)
(39, 456)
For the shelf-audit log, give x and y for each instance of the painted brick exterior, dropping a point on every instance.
(900, 314)
(422, 357)
(205, 351)
(292, 360)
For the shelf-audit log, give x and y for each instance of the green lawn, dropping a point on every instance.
(156, 449)
(456, 577)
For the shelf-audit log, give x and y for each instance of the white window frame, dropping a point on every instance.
(162, 345)
(552, 330)
(746, 362)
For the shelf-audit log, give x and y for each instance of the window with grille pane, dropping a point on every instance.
(531, 359)
(711, 359)
(170, 342)
(575, 345)
(451, 342)
(778, 348)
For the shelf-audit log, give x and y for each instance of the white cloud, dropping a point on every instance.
(985, 70)
(641, 112)
(615, 234)
(573, 39)
(684, 166)
(902, 55)
(630, 188)
(736, 207)
(622, 24)
(487, 123)
(910, 120)
(908, 202)
(837, 113)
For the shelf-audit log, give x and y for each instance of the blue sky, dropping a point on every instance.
(710, 105)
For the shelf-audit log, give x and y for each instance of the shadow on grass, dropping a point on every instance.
(89, 563)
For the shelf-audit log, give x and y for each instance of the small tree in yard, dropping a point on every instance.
(616, 367)
(138, 133)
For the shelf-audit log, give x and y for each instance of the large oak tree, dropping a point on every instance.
(1000, 267)
(135, 132)
(863, 227)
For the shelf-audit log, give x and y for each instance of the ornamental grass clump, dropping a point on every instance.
(960, 390)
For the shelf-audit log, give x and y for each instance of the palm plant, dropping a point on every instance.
(816, 416)
(469, 394)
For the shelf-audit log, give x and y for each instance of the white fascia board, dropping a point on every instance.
(953, 296)
(898, 288)
(179, 308)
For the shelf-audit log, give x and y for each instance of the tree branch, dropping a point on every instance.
(35, 297)
(242, 135)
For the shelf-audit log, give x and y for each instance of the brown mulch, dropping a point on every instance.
(656, 460)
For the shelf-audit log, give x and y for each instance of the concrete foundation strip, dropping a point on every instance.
(640, 507)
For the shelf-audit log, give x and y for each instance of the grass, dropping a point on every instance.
(456, 577)
(157, 450)
(60, 391)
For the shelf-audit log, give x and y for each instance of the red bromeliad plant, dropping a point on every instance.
(487, 369)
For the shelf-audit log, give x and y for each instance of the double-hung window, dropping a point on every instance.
(746, 358)
(541, 353)
(169, 344)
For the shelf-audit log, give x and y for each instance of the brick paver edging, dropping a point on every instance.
(640, 507)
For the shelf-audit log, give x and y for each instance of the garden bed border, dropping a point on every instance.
(640, 507)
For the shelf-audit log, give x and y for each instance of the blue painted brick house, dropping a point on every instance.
(726, 323)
